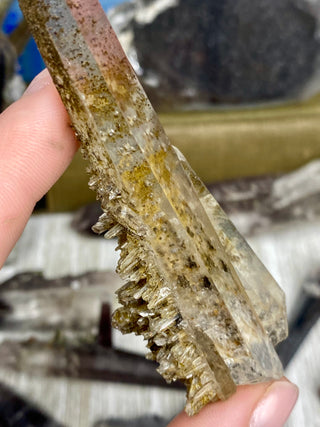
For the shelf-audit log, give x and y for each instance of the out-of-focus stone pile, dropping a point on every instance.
(209, 52)
(11, 83)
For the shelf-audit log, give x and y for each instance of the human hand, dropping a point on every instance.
(259, 405)
(36, 145)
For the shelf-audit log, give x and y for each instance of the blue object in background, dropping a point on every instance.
(30, 61)
(13, 18)
(108, 4)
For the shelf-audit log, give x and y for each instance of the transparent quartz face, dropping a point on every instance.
(208, 309)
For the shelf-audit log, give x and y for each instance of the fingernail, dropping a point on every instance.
(275, 406)
(39, 82)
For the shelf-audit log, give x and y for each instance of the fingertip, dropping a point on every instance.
(37, 141)
(259, 405)
(275, 406)
(42, 80)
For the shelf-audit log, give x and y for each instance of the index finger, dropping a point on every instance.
(36, 146)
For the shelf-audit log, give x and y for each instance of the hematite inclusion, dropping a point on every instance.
(209, 310)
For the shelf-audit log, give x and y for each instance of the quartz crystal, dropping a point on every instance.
(208, 309)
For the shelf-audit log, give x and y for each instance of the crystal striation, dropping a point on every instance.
(208, 309)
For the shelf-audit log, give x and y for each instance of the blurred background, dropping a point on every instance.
(237, 86)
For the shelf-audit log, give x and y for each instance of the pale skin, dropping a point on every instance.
(36, 146)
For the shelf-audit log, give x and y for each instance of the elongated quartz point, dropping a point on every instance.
(209, 310)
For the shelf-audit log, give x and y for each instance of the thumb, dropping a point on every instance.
(36, 145)
(259, 405)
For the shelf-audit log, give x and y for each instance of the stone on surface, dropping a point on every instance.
(138, 422)
(209, 52)
(207, 307)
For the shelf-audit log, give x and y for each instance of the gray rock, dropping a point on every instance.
(7, 66)
(259, 203)
(138, 422)
(231, 51)
(12, 85)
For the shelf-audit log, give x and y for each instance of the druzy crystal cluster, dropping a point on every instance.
(208, 309)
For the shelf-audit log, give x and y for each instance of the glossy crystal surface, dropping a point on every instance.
(209, 310)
